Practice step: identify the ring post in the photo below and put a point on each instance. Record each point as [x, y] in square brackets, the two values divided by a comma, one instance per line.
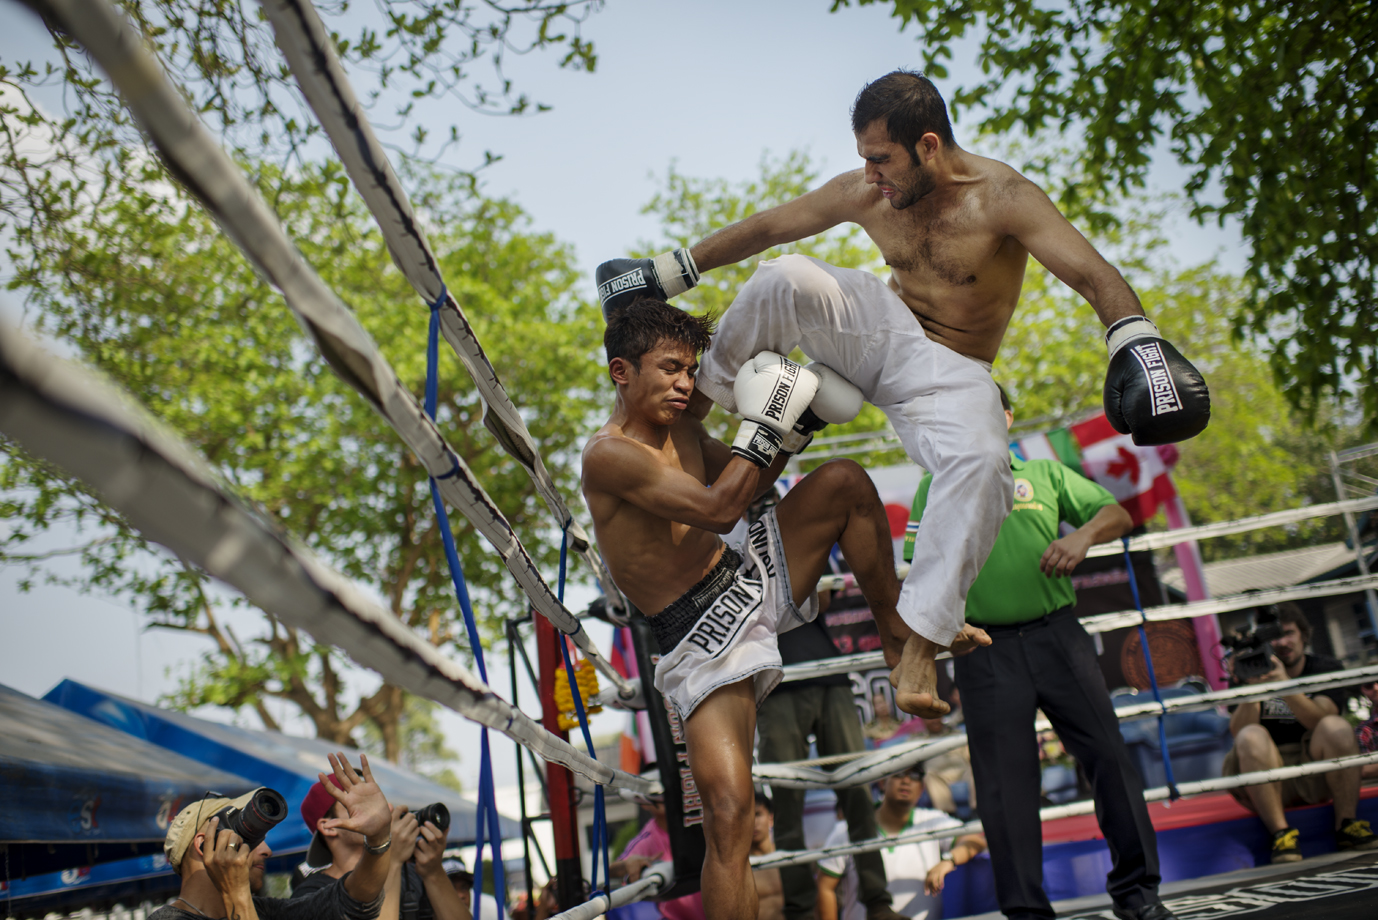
[683, 806]
[559, 786]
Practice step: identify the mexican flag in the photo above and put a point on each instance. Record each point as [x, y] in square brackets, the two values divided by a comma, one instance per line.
[1138, 477]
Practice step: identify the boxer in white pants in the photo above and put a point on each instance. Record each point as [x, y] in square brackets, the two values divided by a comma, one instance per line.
[957, 231]
[943, 405]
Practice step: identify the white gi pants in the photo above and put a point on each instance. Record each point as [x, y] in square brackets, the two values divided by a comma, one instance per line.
[944, 406]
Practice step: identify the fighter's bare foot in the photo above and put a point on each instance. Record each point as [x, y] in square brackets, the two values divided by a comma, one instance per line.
[969, 640]
[916, 679]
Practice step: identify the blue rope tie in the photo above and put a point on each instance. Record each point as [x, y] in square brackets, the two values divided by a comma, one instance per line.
[600, 820]
[487, 802]
[1173, 794]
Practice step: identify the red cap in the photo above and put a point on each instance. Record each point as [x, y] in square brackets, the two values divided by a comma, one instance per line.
[317, 803]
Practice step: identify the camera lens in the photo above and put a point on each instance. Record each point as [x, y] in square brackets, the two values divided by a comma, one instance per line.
[260, 815]
[437, 814]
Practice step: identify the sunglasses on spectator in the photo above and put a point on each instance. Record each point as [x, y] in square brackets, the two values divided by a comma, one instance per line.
[1369, 686]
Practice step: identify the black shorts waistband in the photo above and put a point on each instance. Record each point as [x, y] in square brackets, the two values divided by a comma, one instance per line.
[673, 623]
[1007, 628]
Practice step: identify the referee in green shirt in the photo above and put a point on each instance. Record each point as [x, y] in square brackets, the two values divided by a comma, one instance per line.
[1042, 658]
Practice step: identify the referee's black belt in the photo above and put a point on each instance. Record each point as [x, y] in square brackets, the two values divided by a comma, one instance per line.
[1008, 629]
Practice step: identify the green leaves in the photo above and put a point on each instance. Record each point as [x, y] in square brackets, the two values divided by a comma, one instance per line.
[1270, 108]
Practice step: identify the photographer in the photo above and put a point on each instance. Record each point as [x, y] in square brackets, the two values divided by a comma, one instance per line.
[417, 887]
[1296, 729]
[220, 873]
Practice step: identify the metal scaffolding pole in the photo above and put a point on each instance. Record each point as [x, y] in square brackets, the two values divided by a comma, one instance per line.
[1337, 474]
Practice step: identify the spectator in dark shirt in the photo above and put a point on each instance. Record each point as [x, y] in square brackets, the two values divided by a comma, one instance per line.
[219, 874]
[1294, 729]
[417, 887]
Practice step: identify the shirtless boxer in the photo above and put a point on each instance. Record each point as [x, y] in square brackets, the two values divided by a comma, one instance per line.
[957, 231]
[661, 490]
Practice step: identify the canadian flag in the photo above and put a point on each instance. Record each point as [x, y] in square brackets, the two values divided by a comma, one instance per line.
[1137, 476]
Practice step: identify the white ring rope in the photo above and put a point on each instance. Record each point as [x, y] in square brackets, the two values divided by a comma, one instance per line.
[82, 423]
[867, 767]
[304, 41]
[654, 879]
[1249, 693]
[797, 857]
[804, 774]
[208, 172]
[1228, 528]
[1105, 622]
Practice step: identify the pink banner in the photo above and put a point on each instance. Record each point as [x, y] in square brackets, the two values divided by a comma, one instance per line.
[1207, 628]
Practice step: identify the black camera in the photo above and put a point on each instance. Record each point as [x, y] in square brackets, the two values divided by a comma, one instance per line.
[1253, 648]
[259, 815]
[437, 814]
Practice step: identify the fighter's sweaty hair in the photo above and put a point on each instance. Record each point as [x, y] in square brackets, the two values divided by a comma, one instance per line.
[643, 324]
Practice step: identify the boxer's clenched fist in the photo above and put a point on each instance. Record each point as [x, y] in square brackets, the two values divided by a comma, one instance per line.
[772, 392]
[1151, 391]
[621, 281]
[836, 403]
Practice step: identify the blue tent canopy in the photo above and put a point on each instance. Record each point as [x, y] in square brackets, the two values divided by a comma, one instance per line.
[288, 764]
[74, 792]
[242, 758]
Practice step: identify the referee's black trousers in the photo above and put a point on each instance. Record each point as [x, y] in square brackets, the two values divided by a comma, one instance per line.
[1050, 664]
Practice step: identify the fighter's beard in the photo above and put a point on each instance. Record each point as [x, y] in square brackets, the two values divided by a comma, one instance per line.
[906, 195]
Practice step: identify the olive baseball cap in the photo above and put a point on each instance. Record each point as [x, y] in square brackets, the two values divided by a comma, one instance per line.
[184, 828]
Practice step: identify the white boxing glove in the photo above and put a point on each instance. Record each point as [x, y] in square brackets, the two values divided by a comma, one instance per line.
[837, 402]
[772, 392]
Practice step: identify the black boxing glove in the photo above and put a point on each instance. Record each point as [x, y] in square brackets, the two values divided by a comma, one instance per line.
[1151, 391]
[621, 281]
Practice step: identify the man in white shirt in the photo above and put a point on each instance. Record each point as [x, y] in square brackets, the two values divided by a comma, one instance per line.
[906, 864]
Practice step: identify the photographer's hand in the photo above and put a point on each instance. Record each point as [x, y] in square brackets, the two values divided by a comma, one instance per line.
[369, 814]
[404, 833]
[1278, 672]
[430, 852]
[228, 864]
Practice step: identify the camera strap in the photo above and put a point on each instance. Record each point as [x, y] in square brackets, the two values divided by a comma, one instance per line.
[1173, 794]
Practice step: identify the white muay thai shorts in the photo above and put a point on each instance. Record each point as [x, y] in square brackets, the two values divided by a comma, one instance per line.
[723, 629]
